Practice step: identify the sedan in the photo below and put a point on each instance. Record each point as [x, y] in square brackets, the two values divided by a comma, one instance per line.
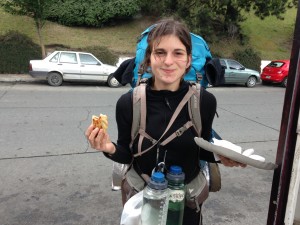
[62, 66]
[276, 72]
[236, 73]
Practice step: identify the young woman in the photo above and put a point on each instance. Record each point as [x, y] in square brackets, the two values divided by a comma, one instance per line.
[168, 58]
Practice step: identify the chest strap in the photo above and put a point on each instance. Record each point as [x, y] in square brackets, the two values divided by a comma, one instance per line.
[177, 133]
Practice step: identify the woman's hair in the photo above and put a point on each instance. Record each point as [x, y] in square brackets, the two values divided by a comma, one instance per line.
[161, 29]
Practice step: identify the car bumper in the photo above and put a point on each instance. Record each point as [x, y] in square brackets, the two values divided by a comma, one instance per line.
[271, 78]
[38, 74]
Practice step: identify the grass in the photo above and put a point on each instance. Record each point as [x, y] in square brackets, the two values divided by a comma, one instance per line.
[271, 37]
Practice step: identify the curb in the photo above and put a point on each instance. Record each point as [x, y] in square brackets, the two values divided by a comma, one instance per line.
[17, 78]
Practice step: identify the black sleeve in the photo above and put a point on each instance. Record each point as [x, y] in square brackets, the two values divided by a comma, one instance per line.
[208, 106]
[124, 120]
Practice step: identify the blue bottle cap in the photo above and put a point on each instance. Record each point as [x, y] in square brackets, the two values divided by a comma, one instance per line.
[175, 170]
[175, 174]
[158, 181]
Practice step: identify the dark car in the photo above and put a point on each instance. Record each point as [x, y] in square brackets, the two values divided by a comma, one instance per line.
[276, 72]
[236, 73]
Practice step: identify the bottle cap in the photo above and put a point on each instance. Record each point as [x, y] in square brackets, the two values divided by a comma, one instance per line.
[158, 181]
[175, 174]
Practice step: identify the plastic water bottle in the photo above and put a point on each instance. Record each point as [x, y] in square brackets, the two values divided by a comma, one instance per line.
[175, 178]
[155, 200]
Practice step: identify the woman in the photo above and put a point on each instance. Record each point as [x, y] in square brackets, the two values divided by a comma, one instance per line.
[168, 58]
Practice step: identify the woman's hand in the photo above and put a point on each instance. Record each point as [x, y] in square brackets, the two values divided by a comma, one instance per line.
[99, 140]
[230, 163]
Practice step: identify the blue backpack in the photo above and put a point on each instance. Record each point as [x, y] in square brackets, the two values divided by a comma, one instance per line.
[200, 55]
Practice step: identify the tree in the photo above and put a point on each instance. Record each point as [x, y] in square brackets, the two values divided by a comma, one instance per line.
[32, 8]
[212, 18]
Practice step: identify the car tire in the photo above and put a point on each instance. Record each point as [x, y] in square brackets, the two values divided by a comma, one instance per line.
[54, 79]
[251, 82]
[284, 82]
[112, 82]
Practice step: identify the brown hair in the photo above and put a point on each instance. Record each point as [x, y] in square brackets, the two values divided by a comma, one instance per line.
[163, 28]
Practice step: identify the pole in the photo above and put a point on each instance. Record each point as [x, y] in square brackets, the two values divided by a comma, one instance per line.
[287, 136]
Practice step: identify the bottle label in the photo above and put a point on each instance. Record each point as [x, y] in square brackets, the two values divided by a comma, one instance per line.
[176, 195]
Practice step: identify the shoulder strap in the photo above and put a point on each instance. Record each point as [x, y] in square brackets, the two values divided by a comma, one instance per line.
[194, 108]
[137, 94]
[140, 113]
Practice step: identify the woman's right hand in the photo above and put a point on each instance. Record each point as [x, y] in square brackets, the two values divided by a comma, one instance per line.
[99, 140]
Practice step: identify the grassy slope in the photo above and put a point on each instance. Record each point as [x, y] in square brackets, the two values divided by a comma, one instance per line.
[271, 37]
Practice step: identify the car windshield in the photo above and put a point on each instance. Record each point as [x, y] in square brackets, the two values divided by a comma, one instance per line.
[276, 64]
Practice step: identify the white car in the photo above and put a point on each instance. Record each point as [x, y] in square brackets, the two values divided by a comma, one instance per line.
[62, 66]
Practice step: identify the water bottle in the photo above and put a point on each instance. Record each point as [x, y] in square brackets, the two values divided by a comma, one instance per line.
[155, 201]
[176, 186]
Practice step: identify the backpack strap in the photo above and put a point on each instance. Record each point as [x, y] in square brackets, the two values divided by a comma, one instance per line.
[194, 107]
[140, 107]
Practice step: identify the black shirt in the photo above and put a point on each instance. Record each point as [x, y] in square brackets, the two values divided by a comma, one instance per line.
[181, 151]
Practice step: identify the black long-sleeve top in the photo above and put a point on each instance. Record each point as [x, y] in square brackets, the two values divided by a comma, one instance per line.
[182, 150]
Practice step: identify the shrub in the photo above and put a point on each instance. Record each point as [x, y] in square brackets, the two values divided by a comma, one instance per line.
[249, 58]
[91, 13]
[16, 50]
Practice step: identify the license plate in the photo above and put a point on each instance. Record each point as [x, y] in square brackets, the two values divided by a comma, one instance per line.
[268, 77]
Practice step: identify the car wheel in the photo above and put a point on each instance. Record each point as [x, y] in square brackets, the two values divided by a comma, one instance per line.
[112, 82]
[251, 82]
[54, 79]
[284, 82]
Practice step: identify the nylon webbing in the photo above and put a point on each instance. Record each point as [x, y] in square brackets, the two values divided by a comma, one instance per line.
[174, 116]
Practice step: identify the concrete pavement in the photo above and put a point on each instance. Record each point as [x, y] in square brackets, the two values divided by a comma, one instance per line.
[17, 78]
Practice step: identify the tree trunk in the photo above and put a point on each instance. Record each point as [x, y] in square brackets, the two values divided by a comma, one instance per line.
[39, 26]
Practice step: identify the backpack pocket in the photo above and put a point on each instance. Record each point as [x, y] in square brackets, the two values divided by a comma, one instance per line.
[197, 192]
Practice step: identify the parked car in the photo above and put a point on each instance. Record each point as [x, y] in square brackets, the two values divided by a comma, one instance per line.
[62, 66]
[276, 72]
[236, 73]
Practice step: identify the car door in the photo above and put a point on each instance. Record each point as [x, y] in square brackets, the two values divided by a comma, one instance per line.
[91, 68]
[227, 77]
[235, 72]
[69, 66]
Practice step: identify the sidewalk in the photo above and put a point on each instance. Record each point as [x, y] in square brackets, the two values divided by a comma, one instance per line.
[17, 78]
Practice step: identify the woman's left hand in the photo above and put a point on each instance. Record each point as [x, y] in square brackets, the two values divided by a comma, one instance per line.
[230, 163]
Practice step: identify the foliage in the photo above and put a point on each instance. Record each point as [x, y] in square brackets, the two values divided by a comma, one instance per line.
[16, 50]
[249, 58]
[92, 13]
[35, 9]
[213, 18]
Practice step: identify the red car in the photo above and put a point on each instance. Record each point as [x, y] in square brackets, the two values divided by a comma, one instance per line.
[276, 71]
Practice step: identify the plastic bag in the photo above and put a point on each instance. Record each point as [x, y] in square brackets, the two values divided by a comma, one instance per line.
[132, 210]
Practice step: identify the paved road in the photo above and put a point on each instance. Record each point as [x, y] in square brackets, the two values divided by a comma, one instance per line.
[49, 175]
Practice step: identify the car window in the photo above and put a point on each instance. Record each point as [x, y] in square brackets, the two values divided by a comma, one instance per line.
[223, 63]
[55, 58]
[234, 65]
[88, 59]
[68, 57]
[276, 64]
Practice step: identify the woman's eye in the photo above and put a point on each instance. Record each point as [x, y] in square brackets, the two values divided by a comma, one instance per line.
[160, 53]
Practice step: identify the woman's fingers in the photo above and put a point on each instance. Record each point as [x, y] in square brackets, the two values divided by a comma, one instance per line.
[230, 163]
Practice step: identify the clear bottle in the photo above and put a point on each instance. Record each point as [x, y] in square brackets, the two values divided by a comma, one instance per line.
[175, 178]
[155, 200]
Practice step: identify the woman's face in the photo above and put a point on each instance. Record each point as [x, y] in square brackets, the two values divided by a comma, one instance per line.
[168, 62]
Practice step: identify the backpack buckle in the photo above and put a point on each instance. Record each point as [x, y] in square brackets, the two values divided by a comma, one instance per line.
[179, 132]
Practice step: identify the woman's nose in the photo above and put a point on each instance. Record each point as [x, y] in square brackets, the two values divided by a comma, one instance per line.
[169, 59]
